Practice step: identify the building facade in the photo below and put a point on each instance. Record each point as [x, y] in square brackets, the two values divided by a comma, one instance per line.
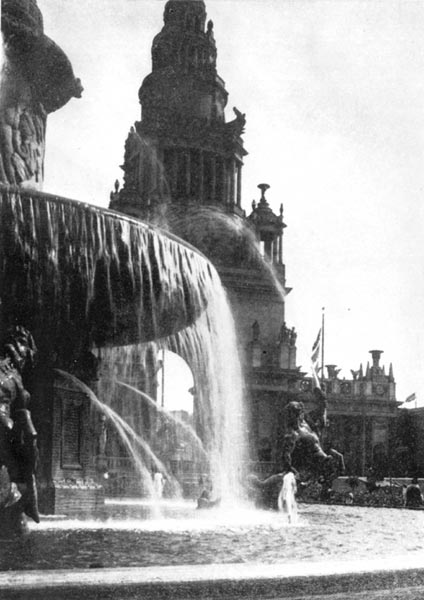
[362, 413]
[183, 171]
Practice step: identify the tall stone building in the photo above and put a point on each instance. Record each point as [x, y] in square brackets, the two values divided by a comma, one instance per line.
[183, 170]
[362, 412]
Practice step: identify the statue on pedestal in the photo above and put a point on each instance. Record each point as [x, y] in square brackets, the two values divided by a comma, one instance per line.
[302, 452]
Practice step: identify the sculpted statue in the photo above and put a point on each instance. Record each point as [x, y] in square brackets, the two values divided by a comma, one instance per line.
[18, 447]
[133, 155]
[302, 452]
[293, 337]
[237, 125]
[284, 333]
[209, 30]
[37, 79]
[302, 445]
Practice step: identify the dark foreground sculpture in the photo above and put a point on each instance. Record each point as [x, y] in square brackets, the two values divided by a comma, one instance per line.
[37, 79]
[18, 448]
[302, 453]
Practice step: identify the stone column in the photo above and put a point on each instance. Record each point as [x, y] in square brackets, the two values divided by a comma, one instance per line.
[187, 164]
[151, 178]
[201, 177]
[220, 180]
[224, 182]
[280, 249]
[275, 249]
[268, 248]
[232, 182]
[213, 177]
[174, 176]
[238, 184]
[160, 171]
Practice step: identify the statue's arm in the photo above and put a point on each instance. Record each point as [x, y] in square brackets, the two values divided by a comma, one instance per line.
[317, 418]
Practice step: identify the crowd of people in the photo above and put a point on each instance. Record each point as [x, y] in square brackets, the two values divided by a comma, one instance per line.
[389, 496]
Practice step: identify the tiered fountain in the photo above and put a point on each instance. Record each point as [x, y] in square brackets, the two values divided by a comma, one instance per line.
[94, 287]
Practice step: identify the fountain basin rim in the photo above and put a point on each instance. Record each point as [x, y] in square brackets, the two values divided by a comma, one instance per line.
[316, 579]
[114, 214]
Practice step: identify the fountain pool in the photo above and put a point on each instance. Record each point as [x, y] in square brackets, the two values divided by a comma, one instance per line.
[182, 535]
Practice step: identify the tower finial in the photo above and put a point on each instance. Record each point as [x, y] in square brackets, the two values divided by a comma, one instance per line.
[263, 187]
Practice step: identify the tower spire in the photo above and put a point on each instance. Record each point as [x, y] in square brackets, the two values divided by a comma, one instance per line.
[187, 153]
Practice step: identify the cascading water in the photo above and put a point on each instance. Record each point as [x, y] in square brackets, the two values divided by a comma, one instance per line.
[80, 277]
[135, 445]
[223, 238]
[2, 57]
[76, 274]
[209, 347]
[287, 497]
[168, 417]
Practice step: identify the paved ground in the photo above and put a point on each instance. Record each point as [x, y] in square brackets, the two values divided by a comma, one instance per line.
[371, 580]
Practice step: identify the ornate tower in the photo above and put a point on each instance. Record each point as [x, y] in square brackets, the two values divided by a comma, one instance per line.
[182, 150]
[182, 170]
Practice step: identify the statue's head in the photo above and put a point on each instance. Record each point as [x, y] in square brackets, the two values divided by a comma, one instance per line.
[46, 66]
[20, 348]
[295, 411]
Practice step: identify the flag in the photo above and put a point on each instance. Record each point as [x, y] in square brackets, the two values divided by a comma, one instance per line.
[316, 349]
[411, 398]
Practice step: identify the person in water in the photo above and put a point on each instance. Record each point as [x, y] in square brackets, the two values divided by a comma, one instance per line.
[206, 499]
[287, 497]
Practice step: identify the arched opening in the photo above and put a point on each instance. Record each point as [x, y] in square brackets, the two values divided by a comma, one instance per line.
[175, 383]
[176, 440]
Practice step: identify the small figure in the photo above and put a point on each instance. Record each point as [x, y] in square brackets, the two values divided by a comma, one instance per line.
[293, 337]
[158, 484]
[133, 159]
[404, 488]
[205, 499]
[413, 495]
[102, 439]
[287, 497]
[209, 31]
[349, 498]
[284, 333]
[265, 492]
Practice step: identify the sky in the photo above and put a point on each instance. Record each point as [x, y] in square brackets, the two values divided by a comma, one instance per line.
[333, 93]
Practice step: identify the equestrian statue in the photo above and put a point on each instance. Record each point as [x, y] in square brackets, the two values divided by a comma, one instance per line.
[302, 453]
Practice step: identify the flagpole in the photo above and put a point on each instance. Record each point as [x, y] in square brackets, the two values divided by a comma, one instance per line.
[322, 346]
